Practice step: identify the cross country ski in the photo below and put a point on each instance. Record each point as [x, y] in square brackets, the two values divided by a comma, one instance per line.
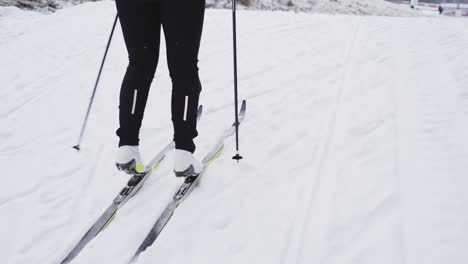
[132, 187]
[187, 186]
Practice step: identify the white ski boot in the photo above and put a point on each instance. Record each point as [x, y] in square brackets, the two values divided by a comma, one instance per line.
[185, 164]
[129, 160]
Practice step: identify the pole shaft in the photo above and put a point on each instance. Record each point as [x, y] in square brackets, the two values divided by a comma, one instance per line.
[83, 128]
[235, 72]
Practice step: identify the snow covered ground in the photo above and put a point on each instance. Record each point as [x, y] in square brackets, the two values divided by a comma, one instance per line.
[355, 142]
[360, 7]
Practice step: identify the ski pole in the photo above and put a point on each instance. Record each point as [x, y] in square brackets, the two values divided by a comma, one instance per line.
[234, 40]
[83, 127]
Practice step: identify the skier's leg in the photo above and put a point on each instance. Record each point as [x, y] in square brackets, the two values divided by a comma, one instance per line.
[182, 21]
[141, 25]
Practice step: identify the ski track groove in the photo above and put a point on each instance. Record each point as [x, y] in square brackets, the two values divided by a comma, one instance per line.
[364, 133]
[296, 229]
[329, 138]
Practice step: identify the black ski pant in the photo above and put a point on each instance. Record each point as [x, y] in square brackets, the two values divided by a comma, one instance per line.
[182, 23]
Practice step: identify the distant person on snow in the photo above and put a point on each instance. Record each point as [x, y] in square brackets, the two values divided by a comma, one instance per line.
[441, 9]
[182, 23]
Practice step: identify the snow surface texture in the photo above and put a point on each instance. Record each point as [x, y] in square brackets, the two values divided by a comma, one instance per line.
[44, 6]
[360, 7]
[355, 142]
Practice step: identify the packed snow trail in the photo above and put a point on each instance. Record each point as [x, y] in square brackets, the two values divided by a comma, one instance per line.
[355, 147]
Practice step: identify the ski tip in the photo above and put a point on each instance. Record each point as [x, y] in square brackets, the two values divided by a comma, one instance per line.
[199, 112]
[77, 147]
[242, 109]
